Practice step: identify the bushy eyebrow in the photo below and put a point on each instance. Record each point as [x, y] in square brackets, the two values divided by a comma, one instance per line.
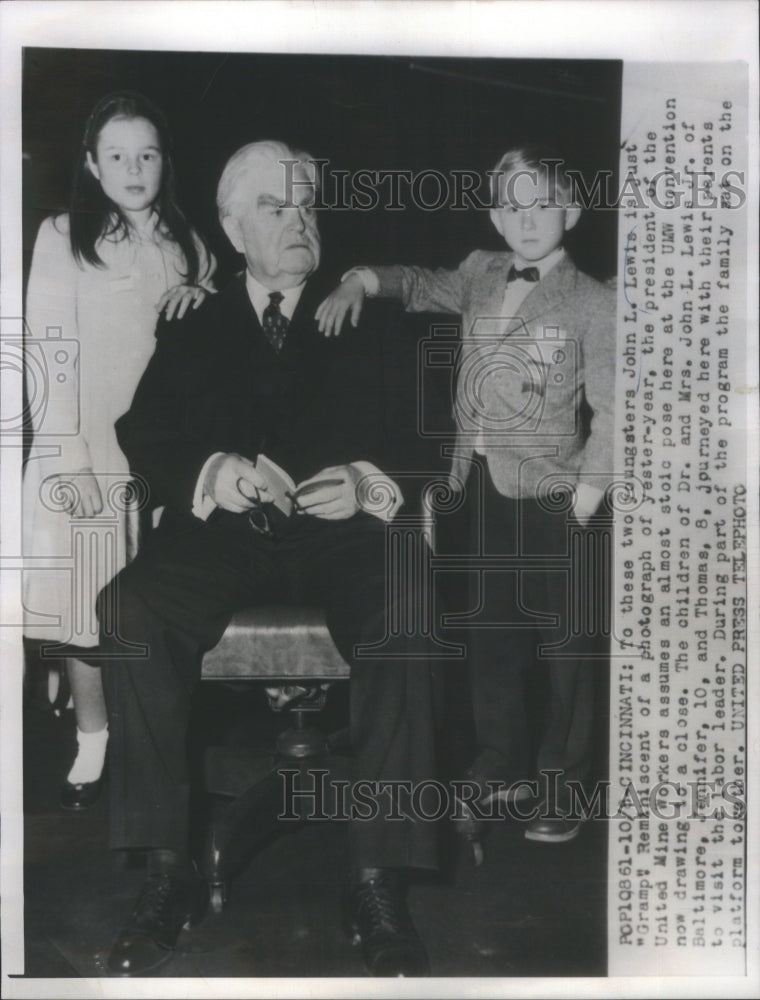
[270, 201]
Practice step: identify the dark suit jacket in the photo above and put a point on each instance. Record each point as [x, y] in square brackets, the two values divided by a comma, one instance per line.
[214, 384]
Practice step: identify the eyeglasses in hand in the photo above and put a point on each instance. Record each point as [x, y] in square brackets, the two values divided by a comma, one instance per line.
[258, 518]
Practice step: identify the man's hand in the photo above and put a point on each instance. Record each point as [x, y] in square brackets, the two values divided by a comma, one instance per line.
[88, 500]
[335, 500]
[587, 499]
[347, 297]
[179, 298]
[233, 483]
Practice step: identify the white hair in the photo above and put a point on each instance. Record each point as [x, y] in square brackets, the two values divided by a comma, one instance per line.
[245, 161]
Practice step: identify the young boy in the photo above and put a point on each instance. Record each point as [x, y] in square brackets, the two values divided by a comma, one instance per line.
[534, 407]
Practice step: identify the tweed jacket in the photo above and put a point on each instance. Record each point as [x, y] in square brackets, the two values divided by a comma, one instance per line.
[533, 392]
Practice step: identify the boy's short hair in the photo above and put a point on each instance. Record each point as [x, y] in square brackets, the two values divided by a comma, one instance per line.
[544, 160]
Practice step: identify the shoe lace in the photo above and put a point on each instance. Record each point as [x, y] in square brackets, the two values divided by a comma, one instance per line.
[152, 899]
[381, 900]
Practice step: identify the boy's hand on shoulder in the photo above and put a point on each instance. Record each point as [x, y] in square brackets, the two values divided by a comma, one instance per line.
[348, 297]
[180, 298]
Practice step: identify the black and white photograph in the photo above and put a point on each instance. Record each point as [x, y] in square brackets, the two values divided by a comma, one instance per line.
[379, 511]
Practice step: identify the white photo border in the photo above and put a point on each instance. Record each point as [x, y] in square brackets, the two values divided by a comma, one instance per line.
[679, 30]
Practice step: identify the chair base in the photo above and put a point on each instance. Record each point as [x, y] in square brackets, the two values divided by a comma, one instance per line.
[290, 650]
[298, 744]
[257, 795]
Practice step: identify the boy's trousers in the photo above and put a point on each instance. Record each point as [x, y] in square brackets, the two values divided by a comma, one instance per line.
[542, 593]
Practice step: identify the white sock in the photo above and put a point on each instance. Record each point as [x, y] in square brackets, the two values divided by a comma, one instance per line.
[91, 753]
[54, 682]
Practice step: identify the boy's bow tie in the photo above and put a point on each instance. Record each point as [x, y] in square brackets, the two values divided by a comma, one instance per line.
[527, 274]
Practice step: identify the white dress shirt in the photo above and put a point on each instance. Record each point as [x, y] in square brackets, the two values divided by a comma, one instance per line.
[259, 296]
[519, 289]
[515, 294]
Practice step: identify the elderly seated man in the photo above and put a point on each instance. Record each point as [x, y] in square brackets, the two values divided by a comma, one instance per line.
[245, 381]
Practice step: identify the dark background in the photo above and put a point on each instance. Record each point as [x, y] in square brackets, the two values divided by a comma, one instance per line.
[369, 112]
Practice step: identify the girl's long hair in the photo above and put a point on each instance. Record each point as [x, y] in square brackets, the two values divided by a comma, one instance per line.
[94, 216]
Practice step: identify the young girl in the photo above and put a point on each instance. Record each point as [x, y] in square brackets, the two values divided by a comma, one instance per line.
[99, 278]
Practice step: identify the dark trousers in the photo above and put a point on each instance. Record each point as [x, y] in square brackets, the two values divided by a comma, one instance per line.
[177, 598]
[547, 607]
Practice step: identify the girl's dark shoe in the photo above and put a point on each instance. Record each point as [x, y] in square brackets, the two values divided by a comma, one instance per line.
[81, 796]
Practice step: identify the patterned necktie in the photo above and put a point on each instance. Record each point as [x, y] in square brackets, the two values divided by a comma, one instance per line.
[274, 323]
[528, 274]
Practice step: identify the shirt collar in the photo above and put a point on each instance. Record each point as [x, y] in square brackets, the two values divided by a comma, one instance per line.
[150, 226]
[148, 232]
[548, 262]
[259, 296]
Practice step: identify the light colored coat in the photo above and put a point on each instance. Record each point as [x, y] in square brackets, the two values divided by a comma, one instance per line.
[91, 334]
[534, 392]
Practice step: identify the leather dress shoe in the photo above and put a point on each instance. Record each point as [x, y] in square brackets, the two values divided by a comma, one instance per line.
[80, 796]
[555, 829]
[167, 904]
[491, 798]
[375, 916]
[498, 787]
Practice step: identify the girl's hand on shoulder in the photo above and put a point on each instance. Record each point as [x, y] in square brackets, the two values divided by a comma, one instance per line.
[180, 298]
[348, 297]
